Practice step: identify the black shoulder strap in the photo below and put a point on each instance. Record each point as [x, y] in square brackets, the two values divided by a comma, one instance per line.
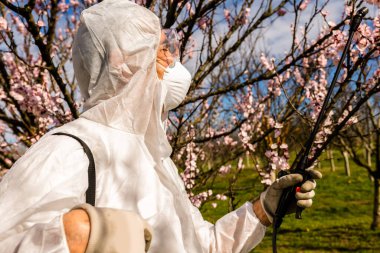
[90, 193]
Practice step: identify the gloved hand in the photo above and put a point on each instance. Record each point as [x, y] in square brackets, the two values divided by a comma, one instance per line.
[270, 197]
[115, 230]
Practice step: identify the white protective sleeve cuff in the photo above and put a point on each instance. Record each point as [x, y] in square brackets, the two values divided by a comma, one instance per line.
[238, 231]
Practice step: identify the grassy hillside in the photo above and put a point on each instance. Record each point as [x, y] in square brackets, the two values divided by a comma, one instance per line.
[338, 222]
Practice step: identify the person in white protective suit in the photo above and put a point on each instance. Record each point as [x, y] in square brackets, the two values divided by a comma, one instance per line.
[141, 203]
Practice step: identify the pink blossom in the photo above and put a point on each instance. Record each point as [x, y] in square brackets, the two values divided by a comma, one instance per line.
[198, 199]
[271, 121]
[277, 133]
[353, 120]
[283, 163]
[225, 169]
[63, 7]
[19, 25]
[266, 181]
[244, 19]
[271, 154]
[90, 2]
[277, 91]
[374, 2]
[267, 65]
[322, 60]
[2, 96]
[74, 3]
[190, 8]
[348, 9]
[362, 44]
[8, 161]
[3, 24]
[16, 96]
[226, 13]
[247, 11]
[304, 4]
[40, 23]
[227, 16]
[229, 141]
[281, 12]
[376, 24]
[274, 146]
[202, 23]
[278, 125]
[240, 164]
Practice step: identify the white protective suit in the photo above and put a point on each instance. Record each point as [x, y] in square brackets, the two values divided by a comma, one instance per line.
[115, 64]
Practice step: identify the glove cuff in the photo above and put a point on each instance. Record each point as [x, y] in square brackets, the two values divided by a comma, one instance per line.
[116, 230]
[262, 201]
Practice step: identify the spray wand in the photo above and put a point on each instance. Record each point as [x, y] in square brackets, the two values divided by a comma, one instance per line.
[288, 194]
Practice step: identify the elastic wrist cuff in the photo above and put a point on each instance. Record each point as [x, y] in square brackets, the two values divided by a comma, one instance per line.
[262, 197]
[260, 214]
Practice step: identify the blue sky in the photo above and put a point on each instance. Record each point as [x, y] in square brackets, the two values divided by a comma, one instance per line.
[278, 38]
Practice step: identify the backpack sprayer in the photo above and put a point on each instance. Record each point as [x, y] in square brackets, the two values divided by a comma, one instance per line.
[288, 194]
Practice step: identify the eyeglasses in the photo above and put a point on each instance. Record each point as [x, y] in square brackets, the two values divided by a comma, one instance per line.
[171, 42]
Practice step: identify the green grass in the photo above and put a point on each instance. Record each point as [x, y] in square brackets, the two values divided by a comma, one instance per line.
[339, 220]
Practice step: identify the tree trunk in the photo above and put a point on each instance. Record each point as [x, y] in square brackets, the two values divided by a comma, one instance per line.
[330, 156]
[347, 163]
[376, 206]
[368, 152]
[368, 157]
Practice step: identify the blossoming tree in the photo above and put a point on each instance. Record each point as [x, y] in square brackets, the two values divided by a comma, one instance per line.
[242, 101]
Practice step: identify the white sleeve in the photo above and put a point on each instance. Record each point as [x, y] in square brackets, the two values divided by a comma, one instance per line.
[41, 237]
[43, 184]
[237, 231]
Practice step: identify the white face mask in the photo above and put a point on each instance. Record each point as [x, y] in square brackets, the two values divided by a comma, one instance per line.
[177, 81]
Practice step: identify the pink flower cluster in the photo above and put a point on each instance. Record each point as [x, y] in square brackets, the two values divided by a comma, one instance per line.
[34, 98]
[203, 23]
[242, 19]
[304, 4]
[375, 2]
[253, 111]
[191, 170]
[227, 16]
[3, 24]
[198, 199]
[190, 9]
[278, 156]
[225, 169]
